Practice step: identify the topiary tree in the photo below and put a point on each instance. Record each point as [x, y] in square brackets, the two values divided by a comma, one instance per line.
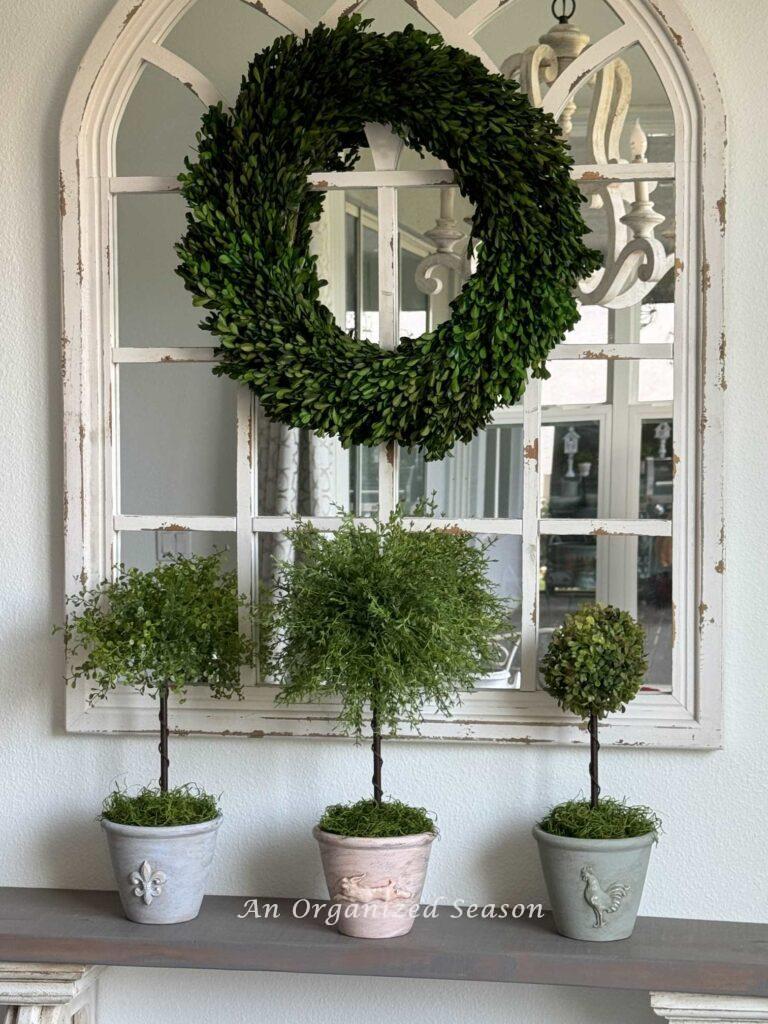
[595, 665]
[160, 632]
[384, 619]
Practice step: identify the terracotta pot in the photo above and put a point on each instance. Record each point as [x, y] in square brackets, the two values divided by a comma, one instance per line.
[161, 871]
[374, 884]
[594, 885]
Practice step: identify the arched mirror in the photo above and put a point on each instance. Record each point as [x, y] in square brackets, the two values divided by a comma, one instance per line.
[603, 483]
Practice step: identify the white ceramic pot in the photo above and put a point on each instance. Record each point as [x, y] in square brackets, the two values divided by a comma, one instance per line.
[594, 885]
[161, 872]
[375, 883]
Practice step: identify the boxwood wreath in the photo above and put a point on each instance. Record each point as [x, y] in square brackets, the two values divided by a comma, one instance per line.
[246, 256]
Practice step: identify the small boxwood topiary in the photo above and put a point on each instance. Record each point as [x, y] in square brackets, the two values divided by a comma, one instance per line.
[596, 661]
[159, 632]
[594, 665]
[384, 619]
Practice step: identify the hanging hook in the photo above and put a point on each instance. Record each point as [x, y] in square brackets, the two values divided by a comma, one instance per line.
[567, 10]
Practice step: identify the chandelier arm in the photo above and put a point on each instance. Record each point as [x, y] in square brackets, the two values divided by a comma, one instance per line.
[628, 279]
[534, 67]
[424, 277]
[599, 113]
[623, 98]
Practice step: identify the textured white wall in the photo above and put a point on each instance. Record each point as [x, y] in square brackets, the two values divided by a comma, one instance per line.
[711, 862]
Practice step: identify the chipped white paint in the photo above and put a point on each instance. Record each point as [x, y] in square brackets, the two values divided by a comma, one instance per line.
[48, 993]
[327, 181]
[214, 524]
[679, 1007]
[284, 14]
[611, 352]
[170, 355]
[194, 354]
[132, 35]
[146, 183]
[183, 72]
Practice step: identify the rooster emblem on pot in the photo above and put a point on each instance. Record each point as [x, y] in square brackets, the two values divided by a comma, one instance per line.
[602, 899]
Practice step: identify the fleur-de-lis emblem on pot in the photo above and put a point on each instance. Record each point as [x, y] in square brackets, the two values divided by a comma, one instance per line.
[148, 883]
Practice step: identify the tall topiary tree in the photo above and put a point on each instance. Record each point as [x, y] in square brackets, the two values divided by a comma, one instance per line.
[385, 620]
[595, 665]
[159, 632]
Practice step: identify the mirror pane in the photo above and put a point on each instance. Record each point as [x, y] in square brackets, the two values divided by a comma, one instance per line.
[392, 15]
[654, 605]
[655, 380]
[505, 571]
[593, 327]
[575, 382]
[300, 473]
[435, 225]
[177, 440]
[482, 479]
[144, 549]
[567, 578]
[657, 469]
[657, 322]
[220, 37]
[630, 572]
[569, 463]
[153, 307]
[516, 26]
[158, 126]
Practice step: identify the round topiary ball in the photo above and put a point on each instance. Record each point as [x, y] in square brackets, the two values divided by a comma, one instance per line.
[596, 662]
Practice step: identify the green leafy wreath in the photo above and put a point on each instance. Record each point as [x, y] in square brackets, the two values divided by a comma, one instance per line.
[246, 257]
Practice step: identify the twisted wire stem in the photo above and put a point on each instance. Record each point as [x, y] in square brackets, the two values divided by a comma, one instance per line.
[594, 749]
[163, 744]
[377, 758]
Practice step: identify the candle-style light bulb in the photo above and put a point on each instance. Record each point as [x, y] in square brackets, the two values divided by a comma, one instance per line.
[638, 147]
[638, 143]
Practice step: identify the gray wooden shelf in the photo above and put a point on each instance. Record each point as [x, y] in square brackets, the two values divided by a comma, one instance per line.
[64, 926]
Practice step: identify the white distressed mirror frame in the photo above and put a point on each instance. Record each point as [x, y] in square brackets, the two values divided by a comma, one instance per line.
[132, 35]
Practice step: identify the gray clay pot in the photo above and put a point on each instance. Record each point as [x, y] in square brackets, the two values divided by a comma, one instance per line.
[161, 872]
[594, 885]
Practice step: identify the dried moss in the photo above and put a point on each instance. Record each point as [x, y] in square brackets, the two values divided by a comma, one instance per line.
[367, 819]
[611, 819]
[184, 805]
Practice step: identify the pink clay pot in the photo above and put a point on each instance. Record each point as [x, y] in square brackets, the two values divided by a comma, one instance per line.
[375, 883]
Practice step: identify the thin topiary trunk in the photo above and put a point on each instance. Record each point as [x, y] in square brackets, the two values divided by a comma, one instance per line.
[377, 758]
[594, 749]
[163, 745]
